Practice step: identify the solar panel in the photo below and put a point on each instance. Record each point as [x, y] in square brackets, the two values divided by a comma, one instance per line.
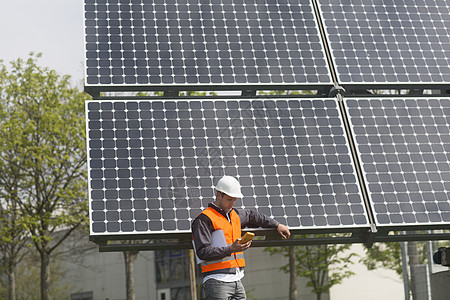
[404, 147]
[152, 164]
[397, 41]
[192, 42]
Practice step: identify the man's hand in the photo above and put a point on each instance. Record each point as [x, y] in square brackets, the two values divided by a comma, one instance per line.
[236, 247]
[283, 230]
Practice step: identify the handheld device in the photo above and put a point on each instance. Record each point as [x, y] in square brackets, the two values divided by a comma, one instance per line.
[247, 237]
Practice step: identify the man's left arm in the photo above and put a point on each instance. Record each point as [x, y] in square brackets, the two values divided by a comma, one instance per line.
[254, 219]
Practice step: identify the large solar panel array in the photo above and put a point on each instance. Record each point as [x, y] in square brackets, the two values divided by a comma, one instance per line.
[152, 164]
[397, 41]
[201, 43]
[404, 147]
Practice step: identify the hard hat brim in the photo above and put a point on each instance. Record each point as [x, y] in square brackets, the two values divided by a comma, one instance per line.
[234, 195]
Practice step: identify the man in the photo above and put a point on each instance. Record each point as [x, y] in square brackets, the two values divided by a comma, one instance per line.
[223, 265]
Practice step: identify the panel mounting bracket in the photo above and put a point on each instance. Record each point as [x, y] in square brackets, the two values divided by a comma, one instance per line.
[248, 93]
[366, 237]
[337, 89]
[370, 236]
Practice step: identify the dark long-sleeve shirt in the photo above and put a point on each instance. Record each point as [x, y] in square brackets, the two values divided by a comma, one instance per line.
[202, 228]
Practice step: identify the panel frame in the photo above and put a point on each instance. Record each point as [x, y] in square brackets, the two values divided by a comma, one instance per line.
[316, 229]
[358, 86]
[392, 226]
[366, 235]
[95, 89]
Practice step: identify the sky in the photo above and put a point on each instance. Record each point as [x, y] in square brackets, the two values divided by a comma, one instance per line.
[51, 27]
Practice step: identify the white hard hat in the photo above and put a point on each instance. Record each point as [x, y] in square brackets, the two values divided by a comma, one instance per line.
[230, 186]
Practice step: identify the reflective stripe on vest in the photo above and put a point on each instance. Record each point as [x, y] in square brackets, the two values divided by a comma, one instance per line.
[232, 231]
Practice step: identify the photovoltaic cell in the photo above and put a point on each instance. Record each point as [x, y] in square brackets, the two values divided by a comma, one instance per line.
[194, 42]
[379, 41]
[404, 147]
[152, 164]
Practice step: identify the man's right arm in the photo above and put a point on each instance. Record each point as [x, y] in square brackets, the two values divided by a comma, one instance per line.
[202, 229]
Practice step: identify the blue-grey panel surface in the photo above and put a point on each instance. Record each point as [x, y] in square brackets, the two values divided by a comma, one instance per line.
[404, 148]
[388, 41]
[159, 43]
[153, 164]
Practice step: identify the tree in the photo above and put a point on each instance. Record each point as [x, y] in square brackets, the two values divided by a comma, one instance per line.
[130, 258]
[51, 132]
[292, 274]
[384, 255]
[12, 242]
[12, 230]
[323, 265]
[28, 280]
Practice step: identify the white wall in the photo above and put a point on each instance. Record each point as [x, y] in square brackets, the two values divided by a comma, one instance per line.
[380, 284]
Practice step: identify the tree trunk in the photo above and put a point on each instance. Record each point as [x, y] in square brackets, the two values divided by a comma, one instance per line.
[12, 284]
[45, 276]
[192, 279]
[413, 259]
[292, 274]
[130, 257]
[318, 296]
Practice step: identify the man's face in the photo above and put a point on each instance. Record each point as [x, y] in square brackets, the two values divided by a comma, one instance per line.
[225, 202]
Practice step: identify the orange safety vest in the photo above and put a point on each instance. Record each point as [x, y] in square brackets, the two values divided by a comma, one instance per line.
[232, 231]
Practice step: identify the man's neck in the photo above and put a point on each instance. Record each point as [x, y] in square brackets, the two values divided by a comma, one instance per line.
[227, 214]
